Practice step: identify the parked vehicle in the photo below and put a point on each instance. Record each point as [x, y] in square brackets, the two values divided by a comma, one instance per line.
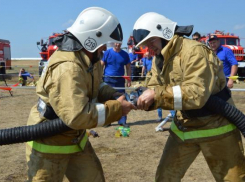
[232, 42]
[47, 49]
[5, 56]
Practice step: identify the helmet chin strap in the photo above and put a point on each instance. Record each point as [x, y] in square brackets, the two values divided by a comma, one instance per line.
[160, 57]
[164, 43]
[96, 57]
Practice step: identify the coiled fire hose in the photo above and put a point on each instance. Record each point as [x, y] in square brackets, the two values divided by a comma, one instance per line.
[56, 126]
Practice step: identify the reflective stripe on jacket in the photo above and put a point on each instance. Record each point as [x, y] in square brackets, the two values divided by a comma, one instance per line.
[68, 149]
[201, 133]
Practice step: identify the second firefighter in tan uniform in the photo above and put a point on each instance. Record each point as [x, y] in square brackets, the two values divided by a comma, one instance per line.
[185, 73]
[72, 86]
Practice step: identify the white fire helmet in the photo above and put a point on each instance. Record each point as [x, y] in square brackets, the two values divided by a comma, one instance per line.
[95, 27]
[153, 25]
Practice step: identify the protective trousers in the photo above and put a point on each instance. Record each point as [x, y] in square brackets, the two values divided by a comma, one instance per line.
[224, 157]
[77, 167]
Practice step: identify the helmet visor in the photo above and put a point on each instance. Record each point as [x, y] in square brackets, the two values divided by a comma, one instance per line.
[117, 33]
[139, 35]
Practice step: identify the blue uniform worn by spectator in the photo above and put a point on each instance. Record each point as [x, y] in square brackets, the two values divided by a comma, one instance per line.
[133, 59]
[226, 55]
[114, 60]
[23, 77]
[159, 113]
[147, 63]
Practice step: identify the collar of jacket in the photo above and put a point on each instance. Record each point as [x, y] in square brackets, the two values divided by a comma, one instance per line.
[84, 58]
[68, 42]
[78, 57]
[173, 46]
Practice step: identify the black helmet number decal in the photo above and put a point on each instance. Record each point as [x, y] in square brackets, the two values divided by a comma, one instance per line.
[167, 33]
[90, 44]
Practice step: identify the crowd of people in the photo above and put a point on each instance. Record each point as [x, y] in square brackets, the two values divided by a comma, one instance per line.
[181, 76]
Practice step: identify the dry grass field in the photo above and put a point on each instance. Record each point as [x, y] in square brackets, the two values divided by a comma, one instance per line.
[128, 159]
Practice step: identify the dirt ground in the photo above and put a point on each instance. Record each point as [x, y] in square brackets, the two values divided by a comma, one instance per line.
[128, 159]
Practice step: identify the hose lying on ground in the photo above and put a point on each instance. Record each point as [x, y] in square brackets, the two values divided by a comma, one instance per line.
[32, 132]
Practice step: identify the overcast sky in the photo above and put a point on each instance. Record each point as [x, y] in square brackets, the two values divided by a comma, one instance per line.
[25, 22]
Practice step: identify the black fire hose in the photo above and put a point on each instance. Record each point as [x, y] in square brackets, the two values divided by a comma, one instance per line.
[221, 107]
[56, 126]
[32, 132]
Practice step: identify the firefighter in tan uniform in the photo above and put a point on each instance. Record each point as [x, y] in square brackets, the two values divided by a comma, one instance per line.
[185, 73]
[72, 87]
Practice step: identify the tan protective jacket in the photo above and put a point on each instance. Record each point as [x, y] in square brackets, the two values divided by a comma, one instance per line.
[74, 93]
[191, 73]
